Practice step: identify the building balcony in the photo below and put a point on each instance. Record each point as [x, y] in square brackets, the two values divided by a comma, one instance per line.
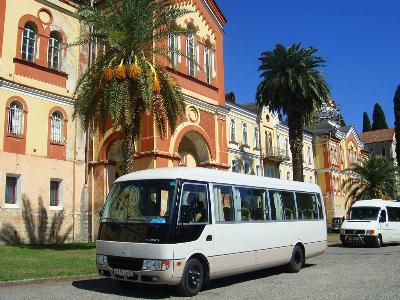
[276, 155]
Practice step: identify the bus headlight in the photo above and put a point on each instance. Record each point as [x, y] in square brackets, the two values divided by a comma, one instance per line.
[101, 259]
[155, 265]
[370, 232]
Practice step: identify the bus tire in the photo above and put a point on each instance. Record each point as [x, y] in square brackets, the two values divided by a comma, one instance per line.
[378, 241]
[296, 262]
[192, 278]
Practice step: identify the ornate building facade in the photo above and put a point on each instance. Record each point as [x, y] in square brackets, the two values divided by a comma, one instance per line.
[336, 148]
[42, 149]
[200, 137]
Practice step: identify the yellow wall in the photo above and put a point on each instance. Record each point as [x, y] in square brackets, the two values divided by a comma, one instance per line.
[68, 24]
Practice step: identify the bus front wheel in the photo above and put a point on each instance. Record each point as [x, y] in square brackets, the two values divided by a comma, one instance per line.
[192, 278]
[296, 262]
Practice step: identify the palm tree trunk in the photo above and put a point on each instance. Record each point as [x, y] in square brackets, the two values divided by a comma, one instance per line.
[128, 148]
[296, 145]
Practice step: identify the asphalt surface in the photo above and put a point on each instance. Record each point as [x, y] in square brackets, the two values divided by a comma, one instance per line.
[339, 273]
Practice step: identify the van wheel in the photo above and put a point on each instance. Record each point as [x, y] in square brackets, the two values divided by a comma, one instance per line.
[296, 262]
[378, 241]
[192, 278]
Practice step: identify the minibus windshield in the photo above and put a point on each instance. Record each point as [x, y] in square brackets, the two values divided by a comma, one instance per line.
[143, 201]
[364, 213]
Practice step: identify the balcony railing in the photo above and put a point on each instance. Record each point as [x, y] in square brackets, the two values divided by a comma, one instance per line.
[275, 154]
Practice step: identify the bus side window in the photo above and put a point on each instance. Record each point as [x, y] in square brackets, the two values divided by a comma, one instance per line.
[282, 205]
[320, 210]
[194, 203]
[307, 206]
[223, 199]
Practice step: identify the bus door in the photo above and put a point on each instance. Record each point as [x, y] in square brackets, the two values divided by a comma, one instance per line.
[383, 226]
[194, 218]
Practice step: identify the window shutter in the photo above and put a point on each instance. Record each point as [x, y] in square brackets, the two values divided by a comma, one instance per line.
[214, 73]
[179, 48]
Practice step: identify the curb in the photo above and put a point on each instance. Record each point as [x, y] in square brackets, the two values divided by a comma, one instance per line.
[46, 280]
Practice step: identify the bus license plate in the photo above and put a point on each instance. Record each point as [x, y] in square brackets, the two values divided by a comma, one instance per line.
[123, 273]
[353, 238]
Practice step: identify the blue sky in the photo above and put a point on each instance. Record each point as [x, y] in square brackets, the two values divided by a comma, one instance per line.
[360, 40]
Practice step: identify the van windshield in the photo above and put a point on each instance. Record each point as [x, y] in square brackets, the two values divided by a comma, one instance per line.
[364, 213]
[144, 201]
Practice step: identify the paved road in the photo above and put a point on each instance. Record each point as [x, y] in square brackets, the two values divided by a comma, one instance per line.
[340, 273]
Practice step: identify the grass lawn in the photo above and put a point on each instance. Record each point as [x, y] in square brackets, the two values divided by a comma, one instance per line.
[28, 262]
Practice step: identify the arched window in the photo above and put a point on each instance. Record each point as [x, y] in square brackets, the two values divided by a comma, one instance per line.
[56, 133]
[28, 50]
[244, 141]
[15, 123]
[172, 47]
[383, 151]
[233, 130]
[256, 138]
[190, 54]
[288, 175]
[287, 147]
[54, 51]
[207, 63]
[309, 155]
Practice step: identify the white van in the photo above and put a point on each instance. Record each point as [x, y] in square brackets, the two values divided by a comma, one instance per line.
[372, 223]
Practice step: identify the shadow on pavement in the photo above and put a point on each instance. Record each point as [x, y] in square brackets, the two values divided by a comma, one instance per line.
[108, 286]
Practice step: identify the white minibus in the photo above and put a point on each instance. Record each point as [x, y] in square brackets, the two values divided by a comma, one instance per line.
[186, 226]
[372, 223]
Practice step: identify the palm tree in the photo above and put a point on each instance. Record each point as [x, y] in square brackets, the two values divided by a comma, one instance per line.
[292, 84]
[373, 178]
[128, 77]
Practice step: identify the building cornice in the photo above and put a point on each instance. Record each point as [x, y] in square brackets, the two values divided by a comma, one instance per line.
[204, 105]
[241, 111]
[35, 93]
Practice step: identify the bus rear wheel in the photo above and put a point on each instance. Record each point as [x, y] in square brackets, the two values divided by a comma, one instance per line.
[192, 278]
[297, 260]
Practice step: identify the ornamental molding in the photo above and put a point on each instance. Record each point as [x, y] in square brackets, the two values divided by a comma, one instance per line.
[204, 105]
[35, 93]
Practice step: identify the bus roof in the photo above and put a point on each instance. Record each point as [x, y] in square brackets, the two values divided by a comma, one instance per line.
[376, 203]
[214, 176]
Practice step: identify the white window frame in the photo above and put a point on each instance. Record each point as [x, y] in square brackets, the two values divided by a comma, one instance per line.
[190, 54]
[208, 64]
[54, 51]
[244, 134]
[172, 48]
[28, 43]
[57, 127]
[59, 193]
[256, 138]
[15, 123]
[17, 191]
[233, 130]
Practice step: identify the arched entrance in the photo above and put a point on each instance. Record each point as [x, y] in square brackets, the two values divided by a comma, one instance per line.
[193, 149]
[115, 162]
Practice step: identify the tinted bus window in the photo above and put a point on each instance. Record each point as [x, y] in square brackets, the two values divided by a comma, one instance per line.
[282, 205]
[223, 198]
[194, 203]
[393, 214]
[307, 206]
[320, 210]
[249, 204]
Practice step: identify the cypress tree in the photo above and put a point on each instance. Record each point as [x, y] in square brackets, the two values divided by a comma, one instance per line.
[342, 121]
[366, 122]
[378, 118]
[396, 101]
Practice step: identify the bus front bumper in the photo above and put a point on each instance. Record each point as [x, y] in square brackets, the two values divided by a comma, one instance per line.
[168, 277]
